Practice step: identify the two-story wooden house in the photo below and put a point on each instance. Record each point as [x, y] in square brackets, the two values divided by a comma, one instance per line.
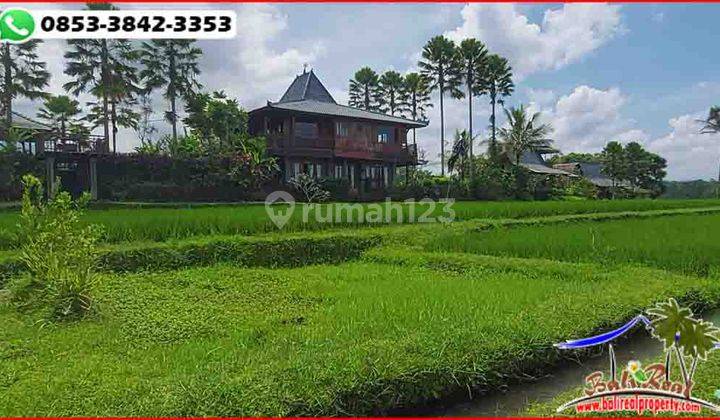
[311, 133]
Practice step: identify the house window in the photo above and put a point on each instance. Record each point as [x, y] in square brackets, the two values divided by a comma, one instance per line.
[295, 169]
[385, 135]
[307, 130]
[342, 129]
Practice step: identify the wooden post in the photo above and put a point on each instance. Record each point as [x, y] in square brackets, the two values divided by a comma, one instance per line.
[50, 176]
[93, 179]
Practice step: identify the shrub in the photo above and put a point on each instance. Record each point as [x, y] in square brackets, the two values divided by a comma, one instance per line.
[310, 189]
[59, 256]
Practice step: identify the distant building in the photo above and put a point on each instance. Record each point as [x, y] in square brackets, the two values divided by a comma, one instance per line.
[593, 172]
[533, 161]
[310, 133]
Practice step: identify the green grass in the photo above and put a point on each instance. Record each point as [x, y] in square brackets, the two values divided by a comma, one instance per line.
[159, 224]
[685, 243]
[393, 330]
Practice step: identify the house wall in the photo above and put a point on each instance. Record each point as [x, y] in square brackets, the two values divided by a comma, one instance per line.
[348, 149]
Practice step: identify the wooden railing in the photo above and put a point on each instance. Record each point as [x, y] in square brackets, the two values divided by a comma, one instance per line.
[73, 144]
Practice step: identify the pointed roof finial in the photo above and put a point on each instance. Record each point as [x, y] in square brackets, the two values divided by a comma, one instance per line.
[305, 66]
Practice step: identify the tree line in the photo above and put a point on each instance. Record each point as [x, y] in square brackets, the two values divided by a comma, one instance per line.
[119, 74]
[464, 70]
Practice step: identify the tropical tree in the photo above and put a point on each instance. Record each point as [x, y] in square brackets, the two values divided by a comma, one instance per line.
[711, 125]
[391, 92]
[104, 68]
[171, 64]
[417, 91]
[460, 156]
[23, 74]
[498, 84]
[364, 89]
[473, 54]
[523, 133]
[613, 159]
[122, 99]
[60, 111]
[442, 66]
[145, 128]
[712, 122]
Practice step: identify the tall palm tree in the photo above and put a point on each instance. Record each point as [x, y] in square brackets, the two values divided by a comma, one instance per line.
[391, 91]
[711, 126]
[364, 89]
[460, 153]
[498, 84]
[417, 90]
[23, 74]
[97, 65]
[59, 111]
[171, 64]
[442, 66]
[473, 54]
[523, 133]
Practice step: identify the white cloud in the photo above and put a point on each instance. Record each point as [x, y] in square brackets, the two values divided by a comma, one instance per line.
[690, 154]
[587, 118]
[249, 66]
[565, 35]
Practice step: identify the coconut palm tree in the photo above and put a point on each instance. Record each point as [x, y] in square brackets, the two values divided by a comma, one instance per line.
[473, 54]
[417, 90]
[364, 89]
[442, 66]
[391, 92]
[498, 84]
[59, 111]
[22, 74]
[98, 66]
[523, 133]
[171, 64]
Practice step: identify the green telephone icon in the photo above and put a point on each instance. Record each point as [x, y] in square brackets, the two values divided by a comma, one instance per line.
[16, 25]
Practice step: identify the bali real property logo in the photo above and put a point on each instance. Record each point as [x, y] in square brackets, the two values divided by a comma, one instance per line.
[639, 389]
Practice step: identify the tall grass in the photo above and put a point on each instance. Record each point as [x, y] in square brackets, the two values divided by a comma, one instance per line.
[159, 224]
[357, 338]
[687, 243]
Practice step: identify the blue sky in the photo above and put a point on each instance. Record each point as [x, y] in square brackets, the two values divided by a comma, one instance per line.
[596, 72]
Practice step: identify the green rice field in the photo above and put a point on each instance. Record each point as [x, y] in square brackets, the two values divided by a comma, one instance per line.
[160, 223]
[686, 243]
[204, 312]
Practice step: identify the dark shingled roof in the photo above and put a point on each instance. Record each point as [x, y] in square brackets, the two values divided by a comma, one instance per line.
[533, 161]
[307, 87]
[593, 172]
[307, 94]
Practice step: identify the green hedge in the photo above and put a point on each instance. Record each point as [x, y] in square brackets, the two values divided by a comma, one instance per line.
[272, 251]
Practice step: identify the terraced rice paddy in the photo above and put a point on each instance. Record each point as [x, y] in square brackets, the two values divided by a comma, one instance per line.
[403, 316]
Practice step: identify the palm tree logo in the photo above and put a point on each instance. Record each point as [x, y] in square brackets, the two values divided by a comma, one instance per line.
[683, 335]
